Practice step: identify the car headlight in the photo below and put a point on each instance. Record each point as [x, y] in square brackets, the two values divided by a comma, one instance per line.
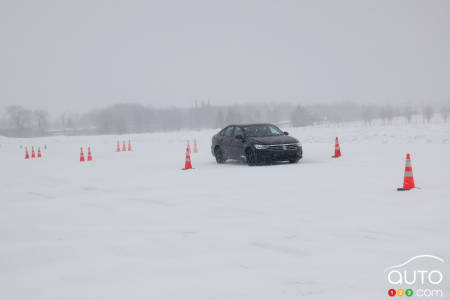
[298, 144]
[260, 147]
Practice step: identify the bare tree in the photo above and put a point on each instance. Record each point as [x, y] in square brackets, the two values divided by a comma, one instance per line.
[408, 112]
[233, 116]
[445, 110]
[427, 113]
[368, 114]
[18, 117]
[42, 119]
[387, 114]
[220, 120]
[3, 123]
[301, 117]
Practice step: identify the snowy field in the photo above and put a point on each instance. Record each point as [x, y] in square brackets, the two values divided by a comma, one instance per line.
[134, 226]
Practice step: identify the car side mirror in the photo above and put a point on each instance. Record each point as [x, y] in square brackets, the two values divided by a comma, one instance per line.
[286, 133]
[239, 137]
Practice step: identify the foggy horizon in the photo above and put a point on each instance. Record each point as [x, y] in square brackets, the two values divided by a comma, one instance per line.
[93, 54]
[57, 112]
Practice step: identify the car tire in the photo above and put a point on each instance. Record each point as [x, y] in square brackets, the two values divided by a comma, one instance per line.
[220, 157]
[250, 157]
[294, 161]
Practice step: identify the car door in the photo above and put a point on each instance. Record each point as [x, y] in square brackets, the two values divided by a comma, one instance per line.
[218, 138]
[237, 145]
[227, 140]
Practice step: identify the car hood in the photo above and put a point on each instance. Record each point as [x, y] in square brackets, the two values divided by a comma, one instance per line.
[274, 140]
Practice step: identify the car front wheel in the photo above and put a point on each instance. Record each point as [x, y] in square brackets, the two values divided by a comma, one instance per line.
[295, 160]
[220, 158]
[250, 157]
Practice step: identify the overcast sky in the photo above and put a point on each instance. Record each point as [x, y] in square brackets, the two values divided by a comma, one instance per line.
[77, 55]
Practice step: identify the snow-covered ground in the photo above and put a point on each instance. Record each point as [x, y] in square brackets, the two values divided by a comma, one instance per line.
[134, 226]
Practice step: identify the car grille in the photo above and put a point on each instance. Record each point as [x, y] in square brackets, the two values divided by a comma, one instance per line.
[283, 147]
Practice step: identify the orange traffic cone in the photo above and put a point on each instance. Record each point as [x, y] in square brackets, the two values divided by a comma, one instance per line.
[337, 149]
[129, 145]
[118, 147]
[27, 156]
[89, 158]
[188, 146]
[408, 181]
[33, 155]
[39, 152]
[195, 146]
[123, 147]
[187, 164]
[81, 155]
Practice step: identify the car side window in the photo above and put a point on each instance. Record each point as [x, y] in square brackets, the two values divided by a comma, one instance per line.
[229, 131]
[222, 132]
[238, 131]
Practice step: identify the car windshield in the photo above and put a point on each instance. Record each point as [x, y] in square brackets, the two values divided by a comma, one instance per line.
[262, 130]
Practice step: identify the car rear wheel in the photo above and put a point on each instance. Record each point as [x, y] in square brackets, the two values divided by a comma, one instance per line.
[250, 157]
[220, 158]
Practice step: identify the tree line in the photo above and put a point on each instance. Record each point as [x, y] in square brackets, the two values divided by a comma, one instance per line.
[18, 121]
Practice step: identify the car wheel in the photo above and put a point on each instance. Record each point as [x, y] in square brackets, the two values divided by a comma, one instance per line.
[295, 160]
[220, 158]
[250, 157]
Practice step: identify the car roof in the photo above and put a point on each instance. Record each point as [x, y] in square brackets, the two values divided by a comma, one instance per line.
[251, 124]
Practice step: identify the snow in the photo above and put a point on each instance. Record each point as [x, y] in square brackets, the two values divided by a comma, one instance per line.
[133, 225]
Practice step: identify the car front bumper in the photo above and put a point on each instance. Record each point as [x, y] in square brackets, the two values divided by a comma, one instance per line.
[279, 155]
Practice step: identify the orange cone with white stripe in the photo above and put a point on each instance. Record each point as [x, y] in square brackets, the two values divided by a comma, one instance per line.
[89, 156]
[27, 156]
[123, 147]
[408, 180]
[81, 155]
[188, 147]
[129, 145]
[337, 149]
[118, 147]
[195, 146]
[39, 152]
[33, 155]
[187, 164]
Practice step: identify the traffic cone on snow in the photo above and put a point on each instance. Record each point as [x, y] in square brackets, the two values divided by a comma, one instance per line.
[27, 156]
[118, 147]
[188, 147]
[195, 146]
[123, 147]
[187, 163]
[39, 152]
[337, 149]
[89, 158]
[129, 145]
[33, 155]
[81, 155]
[408, 181]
